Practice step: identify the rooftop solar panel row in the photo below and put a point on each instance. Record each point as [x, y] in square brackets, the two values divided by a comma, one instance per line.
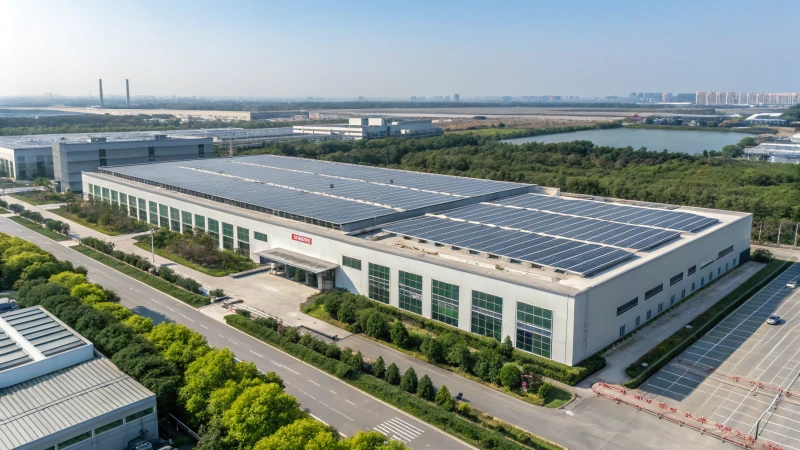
[542, 250]
[634, 215]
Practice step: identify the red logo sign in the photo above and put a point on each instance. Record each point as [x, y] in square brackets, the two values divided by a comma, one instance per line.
[303, 239]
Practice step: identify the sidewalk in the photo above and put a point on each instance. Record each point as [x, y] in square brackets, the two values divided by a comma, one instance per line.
[628, 351]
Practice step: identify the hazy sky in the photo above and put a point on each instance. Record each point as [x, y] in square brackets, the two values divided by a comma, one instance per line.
[382, 48]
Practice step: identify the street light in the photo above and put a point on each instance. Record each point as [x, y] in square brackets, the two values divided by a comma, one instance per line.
[152, 244]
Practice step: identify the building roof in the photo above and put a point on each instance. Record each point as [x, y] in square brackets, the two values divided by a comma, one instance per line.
[341, 194]
[59, 400]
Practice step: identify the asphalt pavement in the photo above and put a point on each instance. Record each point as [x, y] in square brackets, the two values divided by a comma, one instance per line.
[325, 397]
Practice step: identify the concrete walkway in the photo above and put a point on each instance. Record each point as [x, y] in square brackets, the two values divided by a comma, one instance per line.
[628, 351]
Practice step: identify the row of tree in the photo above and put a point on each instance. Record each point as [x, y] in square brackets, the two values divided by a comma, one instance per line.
[235, 405]
[114, 217]
[57, 226]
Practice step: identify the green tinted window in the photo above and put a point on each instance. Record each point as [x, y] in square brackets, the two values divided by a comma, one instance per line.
[163, 211]
[75, 440]
[142, 413]
[534, 315]
[174, 214]
[114, 196]
[351, 262]
[199, 221]
[110, 426]
[379, 283]
[187, 217]
[410, 291]
[153, 208]
[227, 229]
[123, 198]
[260, 236]
[487, 314]
[444, 302]
[213, 226]
[242, 234]
[143, 205]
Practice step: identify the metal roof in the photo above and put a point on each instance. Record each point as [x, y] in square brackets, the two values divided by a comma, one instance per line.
[59, 400]
[295, 259]
[40, 331]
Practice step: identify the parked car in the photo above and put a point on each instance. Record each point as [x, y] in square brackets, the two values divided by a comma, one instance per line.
[792, 284]
[773, 320]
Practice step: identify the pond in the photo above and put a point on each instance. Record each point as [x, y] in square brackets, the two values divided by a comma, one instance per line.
[686, 141]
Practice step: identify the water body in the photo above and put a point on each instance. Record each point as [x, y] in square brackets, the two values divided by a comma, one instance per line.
[685, 141]
[18, 113]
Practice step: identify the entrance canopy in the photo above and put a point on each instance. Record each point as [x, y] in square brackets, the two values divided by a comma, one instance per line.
[293, 259]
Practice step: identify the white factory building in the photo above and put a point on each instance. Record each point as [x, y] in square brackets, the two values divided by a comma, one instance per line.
[372, 128]
[57, 393]
[562, 276]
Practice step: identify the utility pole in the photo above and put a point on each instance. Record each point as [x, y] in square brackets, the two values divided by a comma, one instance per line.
[795, 234]
[760, 226]
[153, 245]
[779, 233]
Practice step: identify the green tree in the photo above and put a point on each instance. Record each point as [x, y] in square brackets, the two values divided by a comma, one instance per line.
[379, 368]
[347, 312]
[372, 440]
[260, 411]
[393, 374]
[399, 334]
[68, 279]
[460, 356]
[89, 293]
[444, 399]
[488, 363]
[544, 390]
[356, 361]
[14, 265]
[302, 434]
[139, 324]
[510, 376]
[432, 349]
[119, 312]
[425, 388]
[222, 398]
[377, 325]
[506, 348]
[178, 343]
[409, 381]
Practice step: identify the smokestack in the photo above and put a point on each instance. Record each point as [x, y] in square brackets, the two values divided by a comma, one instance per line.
[128, 92]
[101, 92]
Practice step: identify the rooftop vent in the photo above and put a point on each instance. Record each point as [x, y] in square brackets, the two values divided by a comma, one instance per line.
[160, 137]
[391, 181]
[97, 139]
[331, 185]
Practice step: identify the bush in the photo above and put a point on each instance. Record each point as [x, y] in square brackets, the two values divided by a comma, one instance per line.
[762, 255]
[409, 381]
[216, 293]
[379, 368]
[544, 390]
[432, 349]
[510, 376]
[16, 208]
[464, 409]
[444, 399]
[200, 249]
[399, 334]
[115, 218]
[393, 374]
[425, 388]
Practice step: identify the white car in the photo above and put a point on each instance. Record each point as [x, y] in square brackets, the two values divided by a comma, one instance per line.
[773, 320]
[792, 284]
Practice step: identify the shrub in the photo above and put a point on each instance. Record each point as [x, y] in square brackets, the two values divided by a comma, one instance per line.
[544, 390]
[347, 312]
[464, 409]
[444, 399]
[16, 208]
[268, 322]
[409, 381]
[393, 374]
[356, 361]
[379, 368]
[510, 376]
[377, 326]
[399, 334]
[425, 388]
[216, 293]
[243, 312]
[762, 255]
[432, 349]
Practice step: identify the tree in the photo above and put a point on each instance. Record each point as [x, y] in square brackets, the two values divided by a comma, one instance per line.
[409, 381]
[89, 293]
[260, 411]
[41, 181]
[14, 265]
[332, 304]
[178, 343]
[377, 325]
[372, 440]
[506, 348]
[393, 374]
[432, 349]
[302, 434]
[488, 363]
[762, 255]
[399, 334]
[379, 368]
[216, 293]
[356, 361]
[139, 324]
[460, 356]
[117, 311]
[347, 312]
[510, 376]
[425, 388]
[16, 208]
[68, 279]
[444, 399]
[222, 398]
[544, 390]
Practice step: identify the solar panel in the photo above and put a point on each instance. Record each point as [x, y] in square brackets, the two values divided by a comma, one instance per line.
[559, 225]
[634, 215]
[565, 254]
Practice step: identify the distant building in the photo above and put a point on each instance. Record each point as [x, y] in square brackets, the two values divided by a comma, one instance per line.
[746, 98]
[56, 391]
[766, 119]
[456, 97]
[635, 118]
[371, 128]
[776, 152]
[666, 96]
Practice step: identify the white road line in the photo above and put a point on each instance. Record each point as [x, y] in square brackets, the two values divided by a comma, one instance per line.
[334, 393]
[304, 392]
[348, 418]
[314, 382]
[319, 420]
[218, 334]
[255, 353]
[203, 326]
[186, 317]
[169, 308]
[348, 401]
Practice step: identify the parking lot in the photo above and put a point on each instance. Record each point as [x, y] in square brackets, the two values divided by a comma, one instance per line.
[718, 376]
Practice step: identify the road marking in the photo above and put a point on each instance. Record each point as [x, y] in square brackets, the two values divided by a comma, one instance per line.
[169, 308]
[231, 340]
[304, 392]
[334, 393]
[348, 401]
[314, 382]
[570, 413]
[218, 334]
[256, 354]
[324, 404]
[186, 317]
[342, 414]
[318, 419]
[204, 326]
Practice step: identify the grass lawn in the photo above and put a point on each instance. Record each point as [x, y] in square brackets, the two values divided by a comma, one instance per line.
[145, 244]
[33, 226]
[76, 219]
[557, 398]
[146, 278]
[39, 197]
[4, 211]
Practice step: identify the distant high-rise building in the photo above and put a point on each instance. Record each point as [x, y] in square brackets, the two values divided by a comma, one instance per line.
[128, 93]
[666, 96]
[101, 92]
[456, 97]
[413, 98]
[746, 98]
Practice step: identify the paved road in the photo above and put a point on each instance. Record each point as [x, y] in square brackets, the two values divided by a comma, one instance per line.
[325, 397]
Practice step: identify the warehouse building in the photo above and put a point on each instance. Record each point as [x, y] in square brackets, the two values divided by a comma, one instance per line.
[562, 276]
[372, 128]
[57, 393]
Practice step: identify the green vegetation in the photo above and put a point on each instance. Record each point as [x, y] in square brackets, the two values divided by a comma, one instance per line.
[44, 197]
[233, 404]
[662, 353]
[102, 216]
[792, 114]
[501, 132]
[769, 191]
[469, 425]
[478, 357]
[153, 281]
[199, 251]
[711, 126]
[39, 229]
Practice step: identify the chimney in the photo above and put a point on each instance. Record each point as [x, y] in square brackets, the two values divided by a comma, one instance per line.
[101, 92]
[128, 92]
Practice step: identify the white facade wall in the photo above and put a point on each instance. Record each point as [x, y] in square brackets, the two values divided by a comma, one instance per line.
[582, 324]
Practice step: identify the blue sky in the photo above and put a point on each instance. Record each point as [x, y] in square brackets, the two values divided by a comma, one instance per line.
[380, 48]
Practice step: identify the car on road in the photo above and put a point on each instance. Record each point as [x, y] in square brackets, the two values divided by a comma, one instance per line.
[773, 320]
[792, 284]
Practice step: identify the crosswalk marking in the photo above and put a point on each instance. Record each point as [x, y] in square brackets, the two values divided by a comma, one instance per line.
[399, 430]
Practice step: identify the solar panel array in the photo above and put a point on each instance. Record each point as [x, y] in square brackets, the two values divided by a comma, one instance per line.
[634, 215]
[41, 330]
[584, 229]
[303, 187]
[566, 254]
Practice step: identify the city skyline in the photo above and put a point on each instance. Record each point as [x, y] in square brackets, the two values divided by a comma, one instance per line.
[278, 50]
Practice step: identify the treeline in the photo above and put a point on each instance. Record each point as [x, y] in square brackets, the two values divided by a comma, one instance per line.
[792, 114]
[769, 191]
[235, 406]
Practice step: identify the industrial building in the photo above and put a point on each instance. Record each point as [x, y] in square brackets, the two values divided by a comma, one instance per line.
[775, 152]
[562, 276]
[57, 393]
[766, 119]
[184, 114]
[371, 128]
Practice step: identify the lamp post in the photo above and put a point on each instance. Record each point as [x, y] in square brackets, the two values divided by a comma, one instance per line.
[153, 245]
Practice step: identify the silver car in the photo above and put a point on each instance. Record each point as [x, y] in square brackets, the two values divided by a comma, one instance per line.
[773, 320]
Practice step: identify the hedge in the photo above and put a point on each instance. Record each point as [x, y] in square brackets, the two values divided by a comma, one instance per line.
[448, 421]
[658, 356]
